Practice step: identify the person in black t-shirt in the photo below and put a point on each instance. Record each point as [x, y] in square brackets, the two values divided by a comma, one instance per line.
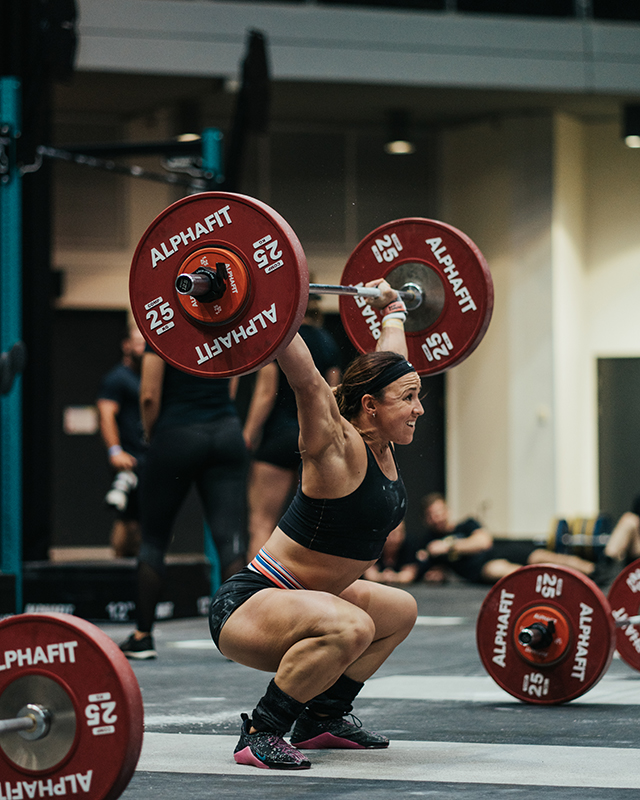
[118, 405]
[195, 437]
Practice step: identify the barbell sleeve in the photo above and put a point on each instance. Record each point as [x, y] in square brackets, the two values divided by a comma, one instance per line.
[193, 283]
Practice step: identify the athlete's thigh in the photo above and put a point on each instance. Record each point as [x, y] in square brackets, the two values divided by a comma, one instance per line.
[391, 609]
[260, 631]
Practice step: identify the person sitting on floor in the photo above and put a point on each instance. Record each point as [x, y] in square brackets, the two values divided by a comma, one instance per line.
[468, 549]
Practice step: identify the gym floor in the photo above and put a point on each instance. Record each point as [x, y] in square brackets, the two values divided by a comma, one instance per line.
[452, 728]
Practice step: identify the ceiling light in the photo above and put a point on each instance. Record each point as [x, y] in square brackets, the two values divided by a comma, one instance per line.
[631, 126]
[398, 141]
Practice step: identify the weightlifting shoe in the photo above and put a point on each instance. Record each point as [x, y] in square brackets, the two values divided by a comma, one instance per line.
[310, 733]
[139, 648]
[266, 750]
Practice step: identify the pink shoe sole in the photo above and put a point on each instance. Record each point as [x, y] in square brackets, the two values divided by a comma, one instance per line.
[247, 758]
[327, 740]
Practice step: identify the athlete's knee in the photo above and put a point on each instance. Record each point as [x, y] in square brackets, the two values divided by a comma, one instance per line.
[405, 610]
[350, 631]
[539, 556]
[499, 568]
[362, 631]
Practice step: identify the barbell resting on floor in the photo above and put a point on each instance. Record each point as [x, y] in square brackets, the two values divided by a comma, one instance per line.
[546, 634]
[71, 715]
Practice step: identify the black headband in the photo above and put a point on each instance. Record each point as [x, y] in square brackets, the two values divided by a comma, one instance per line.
[388, 375]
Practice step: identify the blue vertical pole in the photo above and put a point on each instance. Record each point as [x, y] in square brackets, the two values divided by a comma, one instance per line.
[212, 154]
[10, 333]
[212, 167]
[211, 553]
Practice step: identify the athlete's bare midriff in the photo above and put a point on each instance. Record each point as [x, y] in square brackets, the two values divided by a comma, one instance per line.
[317, 571]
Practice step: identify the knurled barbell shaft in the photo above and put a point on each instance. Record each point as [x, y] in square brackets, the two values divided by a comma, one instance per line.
[16, 724]
[410, 293]
[622, 623]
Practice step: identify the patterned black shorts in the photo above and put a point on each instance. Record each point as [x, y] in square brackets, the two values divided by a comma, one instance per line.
[231, 595]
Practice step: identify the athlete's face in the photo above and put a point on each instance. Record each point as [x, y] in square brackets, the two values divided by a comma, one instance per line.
[400, 408]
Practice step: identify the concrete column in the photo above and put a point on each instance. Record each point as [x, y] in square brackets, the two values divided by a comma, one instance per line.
[497, 187]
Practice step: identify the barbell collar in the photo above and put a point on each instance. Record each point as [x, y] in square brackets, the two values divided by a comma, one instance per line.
[33, 722]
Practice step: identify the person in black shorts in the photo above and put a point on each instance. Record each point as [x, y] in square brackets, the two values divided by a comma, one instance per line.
[271, 430]
[299, 609]
[118, 404]
[468, 550]
[195, 438]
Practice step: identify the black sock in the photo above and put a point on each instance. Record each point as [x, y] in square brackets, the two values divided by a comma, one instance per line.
[276, 711]
[337, 700]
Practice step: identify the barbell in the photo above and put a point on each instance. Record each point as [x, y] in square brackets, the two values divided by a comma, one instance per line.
[219, 285]
[205, 283]
[71, 714]
[547, 634]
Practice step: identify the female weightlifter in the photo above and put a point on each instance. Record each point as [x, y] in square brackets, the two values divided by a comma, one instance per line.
[328, 631]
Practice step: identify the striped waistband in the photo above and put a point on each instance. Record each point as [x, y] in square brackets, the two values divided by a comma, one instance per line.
[267, 565]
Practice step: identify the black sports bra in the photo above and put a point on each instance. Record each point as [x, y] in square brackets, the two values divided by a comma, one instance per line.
[355, 526]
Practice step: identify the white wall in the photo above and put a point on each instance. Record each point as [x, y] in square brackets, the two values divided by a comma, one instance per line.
[596, 234]
[574, 389]
[500, 459]
[553, 204]
[476, 198]
[612, 243]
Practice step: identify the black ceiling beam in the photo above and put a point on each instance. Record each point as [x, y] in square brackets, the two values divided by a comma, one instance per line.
[124, 149]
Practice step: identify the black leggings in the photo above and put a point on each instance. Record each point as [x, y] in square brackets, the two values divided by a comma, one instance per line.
[212, 456]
